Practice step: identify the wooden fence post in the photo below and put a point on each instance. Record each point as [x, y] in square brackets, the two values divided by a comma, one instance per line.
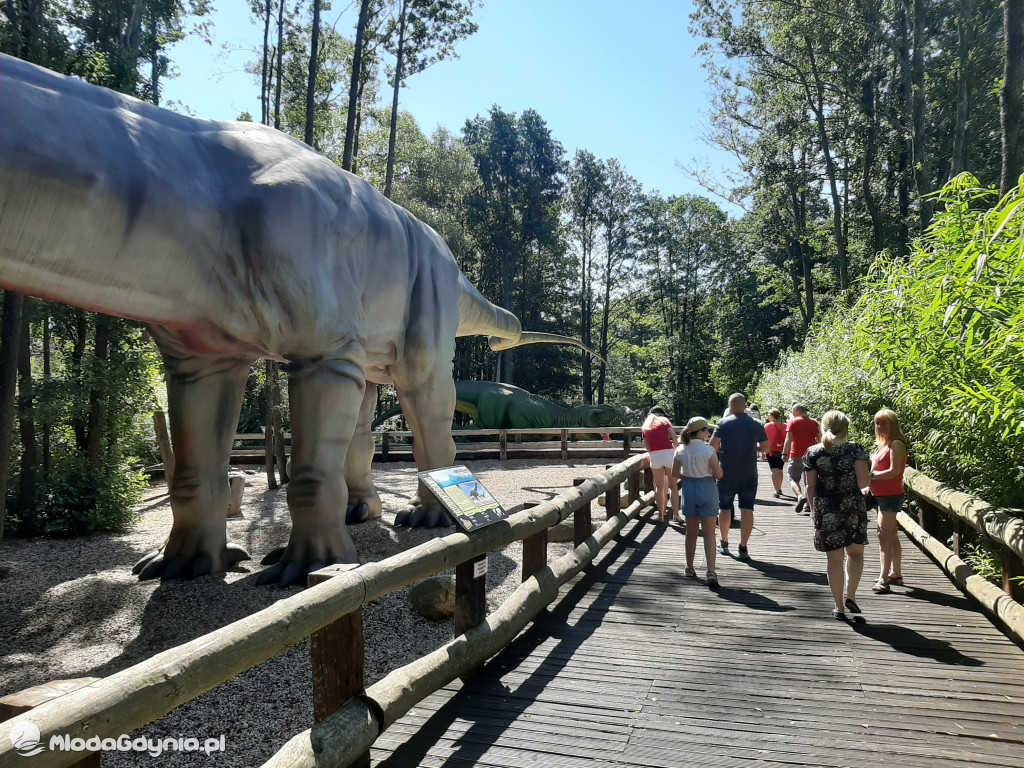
[384, 440]
[1013, 568]
[648, 484]
[959, 529]
[627, 435]
[164, 441]
[565, 444]
[502, 445]
[268, 454]
[929, 517]
[470, 593]
[611, 500]
[279, 447]
[339, 660]
[24, 701]
[535, 549]
[582, 526]
[633, 487]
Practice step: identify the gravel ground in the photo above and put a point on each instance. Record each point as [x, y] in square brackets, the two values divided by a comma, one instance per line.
[71, 608]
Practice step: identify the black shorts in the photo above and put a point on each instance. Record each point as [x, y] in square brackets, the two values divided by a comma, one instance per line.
[775, 461]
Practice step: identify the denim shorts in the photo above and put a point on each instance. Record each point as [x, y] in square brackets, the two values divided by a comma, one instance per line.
[728, 490]
[700, 497]
[890, 504]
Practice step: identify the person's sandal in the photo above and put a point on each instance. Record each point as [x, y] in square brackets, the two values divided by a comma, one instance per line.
[712, 578]
[881, 588]
[838, 615]
[897, 580]
[851, 605]
[690, 573]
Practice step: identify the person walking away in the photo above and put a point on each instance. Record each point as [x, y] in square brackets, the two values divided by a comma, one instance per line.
[888, 462]
[696, 463]
[660, 439]
[837, 471]
[801, 433]
[739, 437]
[776, 432]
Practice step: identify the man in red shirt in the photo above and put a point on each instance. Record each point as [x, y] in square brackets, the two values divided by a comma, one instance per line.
[801, 433]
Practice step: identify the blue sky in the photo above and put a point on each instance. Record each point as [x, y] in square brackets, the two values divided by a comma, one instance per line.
[620, 79]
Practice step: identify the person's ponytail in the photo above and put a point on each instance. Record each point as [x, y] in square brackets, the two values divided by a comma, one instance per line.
[836, 426]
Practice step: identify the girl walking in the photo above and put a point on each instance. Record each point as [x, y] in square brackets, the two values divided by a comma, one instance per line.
[660, 440]
[888, 461]
[697, 464]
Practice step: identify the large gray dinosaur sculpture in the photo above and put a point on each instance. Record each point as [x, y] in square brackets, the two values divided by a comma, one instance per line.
[494, 405]
[234, 243]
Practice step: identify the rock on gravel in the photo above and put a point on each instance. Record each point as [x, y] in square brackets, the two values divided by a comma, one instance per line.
[71, 608]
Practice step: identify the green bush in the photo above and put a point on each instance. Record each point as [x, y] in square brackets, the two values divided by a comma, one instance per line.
[939, 337]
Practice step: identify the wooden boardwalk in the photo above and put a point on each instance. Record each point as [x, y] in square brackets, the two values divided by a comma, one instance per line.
[640, 666]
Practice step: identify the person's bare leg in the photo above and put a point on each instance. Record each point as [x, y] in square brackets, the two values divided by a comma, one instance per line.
[707, 525]
[854, 569]
[691, 541]
[677, 511]
[895, 551]
[884, 549]
[746, 525]
[725, 523]
[836, 580]
[777, 480]
[660, 481]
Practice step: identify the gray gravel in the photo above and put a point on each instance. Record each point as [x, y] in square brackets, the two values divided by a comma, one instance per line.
[71, 608]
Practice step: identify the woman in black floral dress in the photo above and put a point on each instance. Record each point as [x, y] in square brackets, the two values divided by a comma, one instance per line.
[837, 471]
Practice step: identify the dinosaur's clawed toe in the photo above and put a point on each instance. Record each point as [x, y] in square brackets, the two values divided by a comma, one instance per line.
[273, 557]
[422, 517]
[357, 513]
[187, 564]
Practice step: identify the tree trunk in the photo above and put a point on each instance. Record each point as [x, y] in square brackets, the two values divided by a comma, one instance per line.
[79, 344]
[1011, 101]
[958, 161]
[314, 62]
[26, 415]
[280, 62]
[10, 335]
[816, 102]
[265, 78]
[46, 378]
[97, 410]
[917, 13]
[871, 135]
[354, 86]
[393, 133]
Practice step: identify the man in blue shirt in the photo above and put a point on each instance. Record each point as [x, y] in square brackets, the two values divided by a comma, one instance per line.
[738, 437]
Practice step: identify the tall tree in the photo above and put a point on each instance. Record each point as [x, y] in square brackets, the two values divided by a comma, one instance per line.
[420, 34]
[1011, 95]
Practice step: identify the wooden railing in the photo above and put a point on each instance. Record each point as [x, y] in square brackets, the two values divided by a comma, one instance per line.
[946, 514]
[348, 718]
[524, 442]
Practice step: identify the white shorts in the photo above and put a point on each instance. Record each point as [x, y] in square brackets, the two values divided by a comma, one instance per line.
[662, 459]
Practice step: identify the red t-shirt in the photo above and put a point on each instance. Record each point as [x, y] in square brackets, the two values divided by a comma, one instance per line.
[805, 434]
[657, 437]
[776, 436]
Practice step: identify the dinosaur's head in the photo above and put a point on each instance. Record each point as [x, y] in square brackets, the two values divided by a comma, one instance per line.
[598, 416]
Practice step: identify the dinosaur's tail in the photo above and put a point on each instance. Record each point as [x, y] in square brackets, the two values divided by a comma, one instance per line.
[385, 416]
[478, 317]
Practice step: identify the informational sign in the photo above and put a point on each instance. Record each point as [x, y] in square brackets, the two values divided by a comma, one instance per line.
[464, 496]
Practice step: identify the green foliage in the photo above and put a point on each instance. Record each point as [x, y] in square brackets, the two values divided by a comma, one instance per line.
[938, 338]
[81, 499]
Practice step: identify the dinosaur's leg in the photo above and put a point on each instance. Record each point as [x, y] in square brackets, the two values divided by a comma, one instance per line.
[204, 398]
[325, 395]
[428, 402]
[363, 501]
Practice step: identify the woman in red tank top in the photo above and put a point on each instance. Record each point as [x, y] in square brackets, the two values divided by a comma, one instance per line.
[888, 461]
[660, 439]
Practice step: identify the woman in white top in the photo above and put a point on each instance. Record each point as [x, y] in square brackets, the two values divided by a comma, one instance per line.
[697, 464]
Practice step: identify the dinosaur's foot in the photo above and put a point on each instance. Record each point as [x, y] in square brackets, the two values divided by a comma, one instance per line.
[291, 565]
[188, 559]
[423, 515]
[363, 506]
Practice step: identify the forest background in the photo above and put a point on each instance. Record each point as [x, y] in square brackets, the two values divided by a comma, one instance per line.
[877, 259]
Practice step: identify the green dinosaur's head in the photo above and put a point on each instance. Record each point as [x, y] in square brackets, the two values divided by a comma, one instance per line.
[598, 416]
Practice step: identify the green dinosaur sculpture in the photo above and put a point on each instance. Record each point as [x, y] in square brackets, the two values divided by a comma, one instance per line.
[493, 405]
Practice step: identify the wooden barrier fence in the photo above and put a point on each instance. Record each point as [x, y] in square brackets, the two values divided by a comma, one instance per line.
[349, 718]
[946, 514]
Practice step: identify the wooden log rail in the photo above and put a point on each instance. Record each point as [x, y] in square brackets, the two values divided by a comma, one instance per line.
[944, 511]
[127, 700]
[623, 445]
